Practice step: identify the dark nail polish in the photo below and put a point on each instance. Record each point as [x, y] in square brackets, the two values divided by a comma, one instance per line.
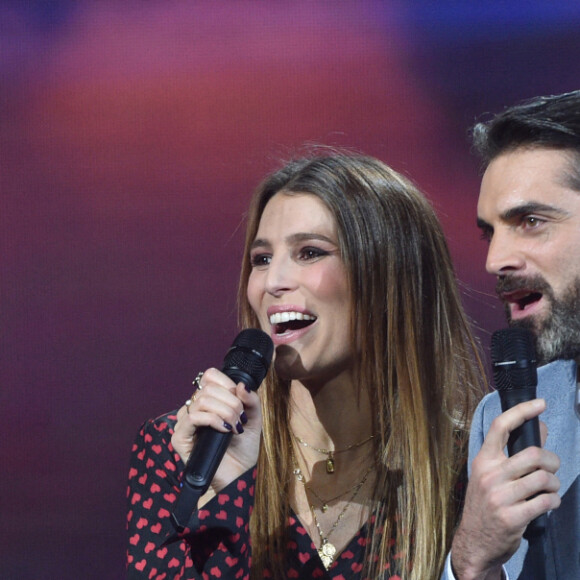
[228, 426]
[239, 427]
[243, 418]
[248, 388]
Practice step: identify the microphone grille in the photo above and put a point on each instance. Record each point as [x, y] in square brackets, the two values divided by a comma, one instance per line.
[513, 358]
[251, 352]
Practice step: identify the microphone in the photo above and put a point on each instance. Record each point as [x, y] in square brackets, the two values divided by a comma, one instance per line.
[246, 361]
[514, 371]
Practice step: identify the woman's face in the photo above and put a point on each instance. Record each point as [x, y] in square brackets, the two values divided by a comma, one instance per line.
[298, 288]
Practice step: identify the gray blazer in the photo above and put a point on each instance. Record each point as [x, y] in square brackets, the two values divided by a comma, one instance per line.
[557, 385]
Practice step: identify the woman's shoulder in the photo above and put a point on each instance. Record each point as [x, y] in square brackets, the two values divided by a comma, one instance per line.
[152, 449]
[165, 422]
[156, 431]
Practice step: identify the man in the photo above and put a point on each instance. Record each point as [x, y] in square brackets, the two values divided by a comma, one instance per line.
[529, 211]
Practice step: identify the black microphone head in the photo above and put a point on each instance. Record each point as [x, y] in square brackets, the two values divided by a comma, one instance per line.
[513, 357]
[249, 357]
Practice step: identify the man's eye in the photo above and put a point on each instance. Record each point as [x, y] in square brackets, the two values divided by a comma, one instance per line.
[531, 221]
[486, 234]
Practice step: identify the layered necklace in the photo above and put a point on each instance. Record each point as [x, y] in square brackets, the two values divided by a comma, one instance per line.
[327, 550]
[330, 453]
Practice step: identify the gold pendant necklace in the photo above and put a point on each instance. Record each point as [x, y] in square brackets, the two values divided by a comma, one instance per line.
[330, 463]
[327, 551]
[330, 453]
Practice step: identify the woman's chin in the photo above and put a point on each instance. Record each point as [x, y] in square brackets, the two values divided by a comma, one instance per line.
[288, 364]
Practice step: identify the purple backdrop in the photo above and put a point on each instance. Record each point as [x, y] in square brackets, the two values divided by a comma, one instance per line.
[132, 135]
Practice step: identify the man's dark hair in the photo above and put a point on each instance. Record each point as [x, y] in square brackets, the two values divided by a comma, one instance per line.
[551, 122]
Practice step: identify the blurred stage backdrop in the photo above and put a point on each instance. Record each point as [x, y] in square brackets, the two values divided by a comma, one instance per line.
[132, 134]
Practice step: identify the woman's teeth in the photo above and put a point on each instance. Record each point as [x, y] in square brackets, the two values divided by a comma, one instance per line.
[281, 317]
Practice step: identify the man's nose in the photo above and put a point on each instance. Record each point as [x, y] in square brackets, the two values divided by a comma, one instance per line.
[504, 254]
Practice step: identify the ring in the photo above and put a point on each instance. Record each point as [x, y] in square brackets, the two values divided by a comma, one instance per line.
[197, 381]
[197, 384]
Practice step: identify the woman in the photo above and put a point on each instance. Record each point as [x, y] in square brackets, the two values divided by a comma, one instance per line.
[354, 444]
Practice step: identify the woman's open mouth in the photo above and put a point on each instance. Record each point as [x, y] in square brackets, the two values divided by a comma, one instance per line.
[284, 322]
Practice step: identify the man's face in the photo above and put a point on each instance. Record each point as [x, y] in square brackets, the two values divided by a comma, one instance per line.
[531, 216]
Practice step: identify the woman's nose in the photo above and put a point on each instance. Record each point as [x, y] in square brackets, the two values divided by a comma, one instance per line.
[281, 276]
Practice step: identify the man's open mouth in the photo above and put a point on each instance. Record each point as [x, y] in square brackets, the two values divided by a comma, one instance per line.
[522, 299]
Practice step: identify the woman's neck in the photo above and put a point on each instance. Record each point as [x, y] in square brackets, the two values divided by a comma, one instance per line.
[332, 416]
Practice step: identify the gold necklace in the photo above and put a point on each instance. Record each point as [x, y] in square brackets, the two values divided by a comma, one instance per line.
[327, 551]
[330, 453]
[324, 507]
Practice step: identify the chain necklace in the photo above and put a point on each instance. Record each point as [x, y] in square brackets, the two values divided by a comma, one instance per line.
[327, 551]
[330, 453]
[325, 502]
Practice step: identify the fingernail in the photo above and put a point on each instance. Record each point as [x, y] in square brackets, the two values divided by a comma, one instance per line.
[228, 426]
[243, 418]
[248, 388]
[239, 427]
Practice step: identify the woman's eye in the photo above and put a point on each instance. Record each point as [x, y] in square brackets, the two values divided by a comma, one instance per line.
[311, 253]
[258, 260]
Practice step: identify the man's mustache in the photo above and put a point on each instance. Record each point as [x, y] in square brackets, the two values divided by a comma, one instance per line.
[535, 283]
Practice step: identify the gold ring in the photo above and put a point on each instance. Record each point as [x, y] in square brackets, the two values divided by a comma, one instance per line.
[190, 401]
[197, 384]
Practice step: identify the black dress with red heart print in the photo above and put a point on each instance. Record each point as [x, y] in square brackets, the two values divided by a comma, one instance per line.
[218, 546]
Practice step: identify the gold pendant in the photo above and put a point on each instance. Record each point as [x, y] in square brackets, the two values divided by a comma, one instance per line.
[324, 507]
[327, 552]
[330, 463]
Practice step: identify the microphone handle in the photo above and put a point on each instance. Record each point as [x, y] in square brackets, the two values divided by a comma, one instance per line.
[246, 362]
[210, 445]
[203, 462]
[206, 455]
[208, 450]
[526, 435]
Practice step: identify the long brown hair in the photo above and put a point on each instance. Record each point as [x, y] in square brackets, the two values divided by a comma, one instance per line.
[419, 363]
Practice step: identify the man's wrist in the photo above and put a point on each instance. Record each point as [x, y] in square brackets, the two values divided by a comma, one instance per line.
[462, 571]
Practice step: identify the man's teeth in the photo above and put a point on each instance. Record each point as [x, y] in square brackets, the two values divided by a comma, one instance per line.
[280, 317]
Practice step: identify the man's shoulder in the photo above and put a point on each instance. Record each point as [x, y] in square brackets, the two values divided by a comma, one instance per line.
[556, 384]
[490, 404]
[556, 373]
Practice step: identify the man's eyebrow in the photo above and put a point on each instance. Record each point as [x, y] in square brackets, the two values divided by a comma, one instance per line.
[531, 207]
[522, 210]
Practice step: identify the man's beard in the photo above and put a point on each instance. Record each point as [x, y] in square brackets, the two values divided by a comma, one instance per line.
[557, 334]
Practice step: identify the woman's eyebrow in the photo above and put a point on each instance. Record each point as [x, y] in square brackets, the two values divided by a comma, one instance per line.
[260, 243]
[293, 238]
[305, 236]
